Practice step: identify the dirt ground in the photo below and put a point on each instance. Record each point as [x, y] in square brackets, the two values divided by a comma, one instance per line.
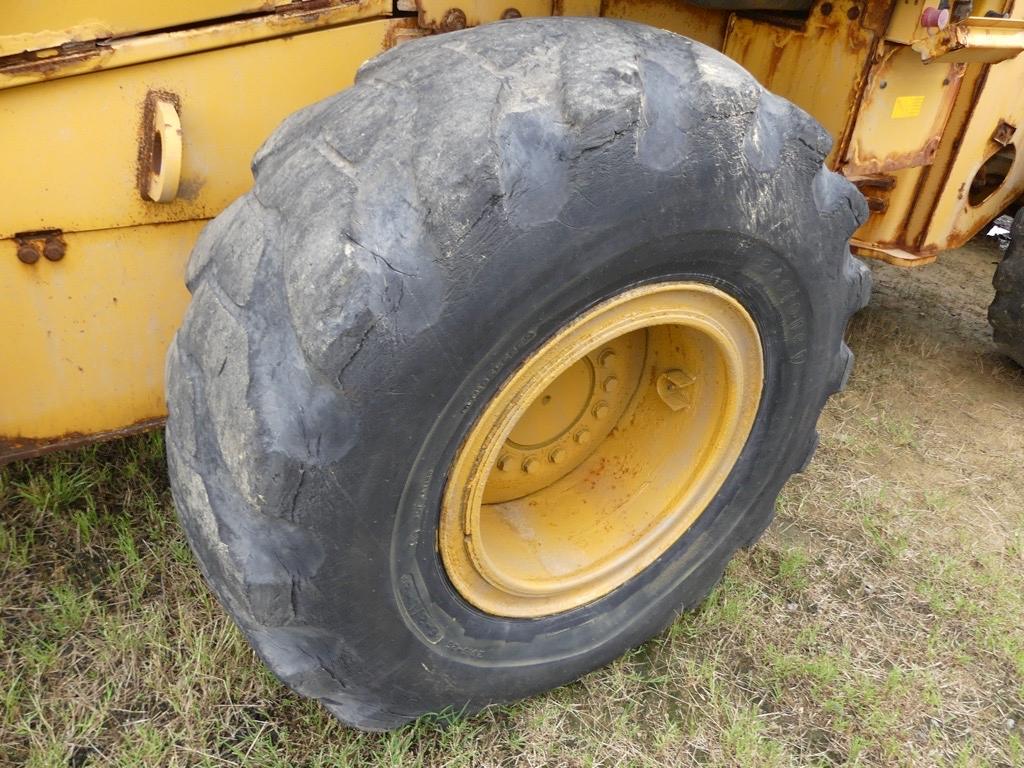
[879, 622]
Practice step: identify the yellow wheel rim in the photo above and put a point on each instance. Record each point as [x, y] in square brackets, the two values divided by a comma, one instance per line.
[601, 450]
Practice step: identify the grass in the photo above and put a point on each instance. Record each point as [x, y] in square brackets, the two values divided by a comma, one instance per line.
[880, 622]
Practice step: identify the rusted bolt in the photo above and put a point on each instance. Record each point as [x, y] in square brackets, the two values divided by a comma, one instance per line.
[1003, 134]
[28, 253]
[853, 13]
[826, 9]
[54, 249]
[454, 19]
[511, 13]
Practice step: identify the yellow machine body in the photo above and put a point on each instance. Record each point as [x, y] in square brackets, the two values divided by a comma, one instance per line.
[124, 126]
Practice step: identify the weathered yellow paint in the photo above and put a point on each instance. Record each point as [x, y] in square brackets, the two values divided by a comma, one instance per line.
[954, 220]
[73, 152]
[902, 113]
[820, 65]
[928, 209]
[534, 520]
[294, 19]
[974, 40]
[433, 13]
[86, 131]
[705, 25]
[29, 25]
[83, 339]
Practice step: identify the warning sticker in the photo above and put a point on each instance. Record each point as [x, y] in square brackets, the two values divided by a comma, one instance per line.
[907, 106]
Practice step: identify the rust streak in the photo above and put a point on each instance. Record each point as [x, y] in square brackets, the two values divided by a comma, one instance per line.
[15, 448]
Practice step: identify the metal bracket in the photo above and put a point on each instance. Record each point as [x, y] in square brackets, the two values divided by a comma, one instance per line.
[976, 39]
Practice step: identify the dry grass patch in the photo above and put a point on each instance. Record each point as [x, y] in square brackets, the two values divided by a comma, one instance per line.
[880, 622]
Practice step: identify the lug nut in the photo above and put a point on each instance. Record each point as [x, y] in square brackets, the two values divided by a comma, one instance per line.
[557, 456]
[606, 358]
[504, 463]
[611, 384]
[531, 466]
[582, 437]
[511, 13]
[600, 410]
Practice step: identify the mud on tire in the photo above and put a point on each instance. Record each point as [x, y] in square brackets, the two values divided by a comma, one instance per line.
[409, 241]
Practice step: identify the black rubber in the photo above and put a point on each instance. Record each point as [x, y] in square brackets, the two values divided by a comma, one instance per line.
[1006, 312]
[406, 244]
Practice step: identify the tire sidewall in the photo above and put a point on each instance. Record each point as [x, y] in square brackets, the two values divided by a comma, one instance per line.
[447, 626]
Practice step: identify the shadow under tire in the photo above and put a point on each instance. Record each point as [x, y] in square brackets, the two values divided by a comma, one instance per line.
[408, 243]
[1006, 312]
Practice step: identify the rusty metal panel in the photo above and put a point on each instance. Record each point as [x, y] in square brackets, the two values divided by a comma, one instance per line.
[903, 113]
[929, 208]
[83, 338]
[905, 23]
[294, 19]
[820, 65]
[29, 25]
[998, 103]
[447, 16]
[706, 25]
[71, 149]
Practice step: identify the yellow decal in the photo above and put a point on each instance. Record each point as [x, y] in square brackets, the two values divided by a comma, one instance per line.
[907, 106]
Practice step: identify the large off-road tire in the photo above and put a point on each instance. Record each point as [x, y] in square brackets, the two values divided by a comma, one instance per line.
[1006, 313]
[407, 245]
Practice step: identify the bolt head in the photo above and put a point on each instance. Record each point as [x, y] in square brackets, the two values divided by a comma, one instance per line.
[511, 13]
[558, 455]
[606, 358]
[531, 466]
[28, 253]
[583, 436]
[600, 410]
[611, 384]
[454, 20]
[504, 463]
[53, 249]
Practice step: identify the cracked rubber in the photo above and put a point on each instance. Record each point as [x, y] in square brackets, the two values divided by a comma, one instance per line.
[406, 244]
[1006, 313]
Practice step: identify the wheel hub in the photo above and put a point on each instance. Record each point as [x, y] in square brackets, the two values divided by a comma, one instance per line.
[601, 450]
[569, 420]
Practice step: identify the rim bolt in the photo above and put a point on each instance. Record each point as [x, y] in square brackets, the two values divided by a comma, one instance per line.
[611, 384]
[504, 463]
[557, 456]
[531, 466]
[600, 410]
[606, 358]
[582, 437]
